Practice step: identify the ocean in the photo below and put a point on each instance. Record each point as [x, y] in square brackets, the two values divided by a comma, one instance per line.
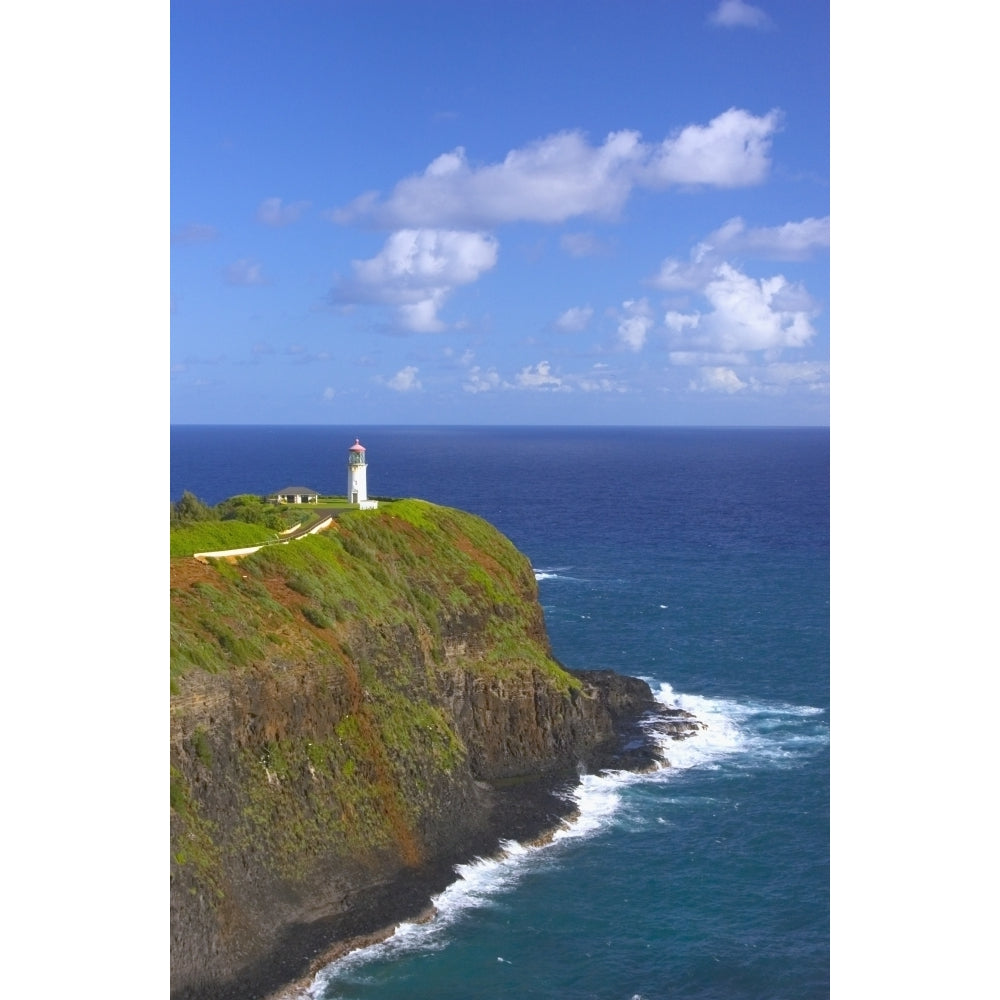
[697, 559]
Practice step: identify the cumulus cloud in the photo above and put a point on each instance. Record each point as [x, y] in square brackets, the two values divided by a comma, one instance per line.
[812, 377]
[634, 324]
[746, 314]
[685, 276]
[575, 319]
[563, 176]
[463, 360]
[405, 380]
[790, 241]
[415, 272]
[273, 212]
[738, 14]
[718, 380]
[477, 380]
[732, 150]
[743, 313]
[751, 314]
[599, 380]
[539, 377]
[245, 272]
[678, 321]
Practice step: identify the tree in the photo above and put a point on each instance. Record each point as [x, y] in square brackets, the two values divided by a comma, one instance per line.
[189, 509]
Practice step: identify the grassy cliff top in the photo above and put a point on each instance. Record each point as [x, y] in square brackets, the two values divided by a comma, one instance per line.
[410, 563]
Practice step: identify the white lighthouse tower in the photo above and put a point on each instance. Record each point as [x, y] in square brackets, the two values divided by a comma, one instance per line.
[357, 477]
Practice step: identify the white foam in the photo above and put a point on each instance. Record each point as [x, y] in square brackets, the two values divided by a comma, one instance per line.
[775, 732]
[478, 884]
[554, 573]
[732, 728]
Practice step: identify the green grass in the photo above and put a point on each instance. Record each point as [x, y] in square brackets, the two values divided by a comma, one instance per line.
[410, 564]
[213, 536]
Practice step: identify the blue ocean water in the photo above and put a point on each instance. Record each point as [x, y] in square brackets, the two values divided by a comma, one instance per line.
[696, 558]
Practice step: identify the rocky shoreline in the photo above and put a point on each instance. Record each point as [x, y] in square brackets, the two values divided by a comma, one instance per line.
[529, 811]
[531, 814]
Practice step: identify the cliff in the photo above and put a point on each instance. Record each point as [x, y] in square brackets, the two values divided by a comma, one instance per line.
[351, 715]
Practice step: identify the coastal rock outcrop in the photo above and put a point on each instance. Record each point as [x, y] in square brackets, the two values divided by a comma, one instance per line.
[352, 714]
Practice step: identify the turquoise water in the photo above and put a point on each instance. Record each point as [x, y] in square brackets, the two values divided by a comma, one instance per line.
[697, 559]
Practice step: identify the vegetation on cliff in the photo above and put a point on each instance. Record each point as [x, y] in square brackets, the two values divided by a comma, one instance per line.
[410, 564]
[238, 522]
[336, 702]
[349, 709]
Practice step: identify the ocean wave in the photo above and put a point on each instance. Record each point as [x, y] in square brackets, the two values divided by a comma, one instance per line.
[733, 729]
[555, 573]
[478, 884]
[758, 731]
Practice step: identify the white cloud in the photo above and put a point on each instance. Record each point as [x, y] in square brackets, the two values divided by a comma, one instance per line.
[790, 241]
[733, 150]
[750, 314]
[416, 270]
[598, 381]
[245, 272]
[678, 321]
[575, 319]
[746, 314]
[477, 380]
[273, 212]
[635, 324]
[464, 359]
[563, 176]
[743, 313]
[422, 317]
[719, 380]
[329, 392]
[551, 180]
[683, 276]
[738, 14]
[539, 377]
[812, 377]
[405, 380]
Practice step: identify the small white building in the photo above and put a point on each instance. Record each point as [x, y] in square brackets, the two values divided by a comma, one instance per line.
[357, 477]
[296, 494]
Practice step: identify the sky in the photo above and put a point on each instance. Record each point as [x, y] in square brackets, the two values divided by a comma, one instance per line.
[495, 212]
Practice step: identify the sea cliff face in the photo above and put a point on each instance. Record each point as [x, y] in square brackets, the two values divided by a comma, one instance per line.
[352, 714]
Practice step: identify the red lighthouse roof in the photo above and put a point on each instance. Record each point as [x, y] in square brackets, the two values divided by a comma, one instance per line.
[357, 446]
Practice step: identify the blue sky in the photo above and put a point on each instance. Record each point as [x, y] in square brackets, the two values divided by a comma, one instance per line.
[473, 211]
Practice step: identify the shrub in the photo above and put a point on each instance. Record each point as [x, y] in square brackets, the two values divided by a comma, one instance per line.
[190, 509]
[314, 616]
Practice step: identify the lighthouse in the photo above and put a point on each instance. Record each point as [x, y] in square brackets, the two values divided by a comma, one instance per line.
[357, 477]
